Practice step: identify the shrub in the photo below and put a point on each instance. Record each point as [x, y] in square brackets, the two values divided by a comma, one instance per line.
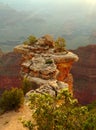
[26, 86]
[11, 99]
[30, 40]
[28, 124]
[59, 113]
[25, 42]
[60, 42]
[48, 61]
[90, 122]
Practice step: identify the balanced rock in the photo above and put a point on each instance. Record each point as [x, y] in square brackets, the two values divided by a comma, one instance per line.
[45, 66]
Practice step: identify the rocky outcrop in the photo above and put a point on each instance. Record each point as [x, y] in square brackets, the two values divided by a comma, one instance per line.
[44, 64]
[10, 64]
[84, 72]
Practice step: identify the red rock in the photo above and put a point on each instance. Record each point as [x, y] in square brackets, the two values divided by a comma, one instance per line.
[10, 65]
[84, 72]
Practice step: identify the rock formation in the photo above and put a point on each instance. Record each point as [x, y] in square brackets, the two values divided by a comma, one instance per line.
[84, 73]
[9, 71]
[46, 66]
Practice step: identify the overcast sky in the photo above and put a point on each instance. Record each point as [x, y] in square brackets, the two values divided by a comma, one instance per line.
[24, 4]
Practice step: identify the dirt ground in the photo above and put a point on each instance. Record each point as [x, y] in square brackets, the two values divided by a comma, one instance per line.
[11, 120]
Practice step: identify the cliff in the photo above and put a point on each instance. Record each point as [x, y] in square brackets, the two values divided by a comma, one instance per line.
[84, 72]
[10, 64]
[46, 66]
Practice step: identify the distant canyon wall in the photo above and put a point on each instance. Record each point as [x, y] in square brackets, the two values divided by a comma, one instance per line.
[9, 71]
[84, 73]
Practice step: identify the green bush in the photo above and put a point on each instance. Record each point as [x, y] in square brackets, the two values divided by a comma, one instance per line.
[26, 86]
[48, 61]
[30, 40]
[26, 42]
[28, 124]
[60, 42]
[11, 99]
[59, 113]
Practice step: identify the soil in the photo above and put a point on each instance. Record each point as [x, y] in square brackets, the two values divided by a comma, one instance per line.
[12, 120]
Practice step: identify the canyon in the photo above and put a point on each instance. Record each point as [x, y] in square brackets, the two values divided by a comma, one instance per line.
[44, 68]
[9, 71]
[84, 73]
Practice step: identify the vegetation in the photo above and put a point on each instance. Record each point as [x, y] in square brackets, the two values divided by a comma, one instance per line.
[60, 44]
[49, 61]
[28, 124]
[11, 99]
[59, 113]
[26, 86]
[30, 40]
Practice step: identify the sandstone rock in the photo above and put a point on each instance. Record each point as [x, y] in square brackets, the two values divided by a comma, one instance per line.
[42, 64]
[64, 57]
[47, 40]
[35, 80]
[21, 49]
[52, 87]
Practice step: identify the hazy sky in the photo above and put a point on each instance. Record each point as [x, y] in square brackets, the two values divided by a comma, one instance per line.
[24, 4]
[60, 17]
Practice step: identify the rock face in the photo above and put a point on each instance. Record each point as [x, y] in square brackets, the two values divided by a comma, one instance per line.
[9, 71]
[44, 65]
[84, 73]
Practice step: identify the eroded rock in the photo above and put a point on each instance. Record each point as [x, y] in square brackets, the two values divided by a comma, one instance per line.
[48, 68]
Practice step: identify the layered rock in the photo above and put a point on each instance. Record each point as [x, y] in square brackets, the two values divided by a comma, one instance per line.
[84, 73]
[43, 64]
[9, 71]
